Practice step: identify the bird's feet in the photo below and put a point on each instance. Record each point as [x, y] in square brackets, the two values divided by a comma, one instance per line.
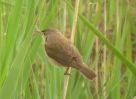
[67, 71]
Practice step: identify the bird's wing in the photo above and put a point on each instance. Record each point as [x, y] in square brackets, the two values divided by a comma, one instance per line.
[60, 51]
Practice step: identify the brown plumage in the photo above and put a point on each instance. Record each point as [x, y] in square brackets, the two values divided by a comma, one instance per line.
[64, 52]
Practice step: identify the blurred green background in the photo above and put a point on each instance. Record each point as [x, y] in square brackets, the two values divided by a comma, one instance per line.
[105, 36]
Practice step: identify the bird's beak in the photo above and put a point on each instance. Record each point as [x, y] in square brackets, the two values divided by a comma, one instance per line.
[37, 32]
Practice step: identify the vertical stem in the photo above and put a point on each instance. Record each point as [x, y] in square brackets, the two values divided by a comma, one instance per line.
[96, 70]
[75, 21]
[66, 78]
[96, 52]
[104, 50]
[65, 17]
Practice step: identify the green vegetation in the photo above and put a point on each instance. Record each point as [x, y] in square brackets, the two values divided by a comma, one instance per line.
[105, 36]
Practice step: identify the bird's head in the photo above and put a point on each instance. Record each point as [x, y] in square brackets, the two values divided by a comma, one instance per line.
[48, 31]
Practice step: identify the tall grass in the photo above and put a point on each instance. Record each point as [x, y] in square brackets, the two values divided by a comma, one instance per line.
[25, 71]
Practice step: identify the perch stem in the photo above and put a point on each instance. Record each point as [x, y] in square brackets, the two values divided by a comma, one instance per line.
[66, 77]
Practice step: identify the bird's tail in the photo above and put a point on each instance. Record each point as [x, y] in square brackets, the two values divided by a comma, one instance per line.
[86, 71]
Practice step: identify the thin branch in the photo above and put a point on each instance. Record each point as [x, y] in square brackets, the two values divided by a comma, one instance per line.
[104, 50]
[75, 21]
[66, 78]
[96, 70]
[96, 52]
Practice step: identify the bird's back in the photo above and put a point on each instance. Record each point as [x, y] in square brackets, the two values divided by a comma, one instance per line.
[62, 50]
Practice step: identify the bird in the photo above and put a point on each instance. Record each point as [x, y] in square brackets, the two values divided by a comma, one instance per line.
[64, 52]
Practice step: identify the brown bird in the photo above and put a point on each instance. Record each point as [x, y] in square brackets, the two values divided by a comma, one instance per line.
[64, 52]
